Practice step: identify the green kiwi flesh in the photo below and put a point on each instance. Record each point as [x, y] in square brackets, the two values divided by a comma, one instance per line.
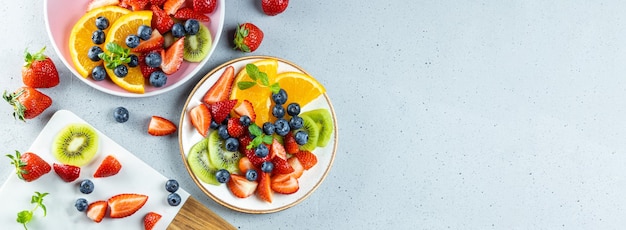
[76, 144]
[197, 46]
[312, 129]
[198, 159]
[221, 158]
[324, 122]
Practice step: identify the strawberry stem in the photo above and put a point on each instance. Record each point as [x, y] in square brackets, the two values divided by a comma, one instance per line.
[30, 58]
[19, 108]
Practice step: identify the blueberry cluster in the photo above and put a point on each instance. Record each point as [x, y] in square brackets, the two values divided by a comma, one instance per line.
[173, 198]
[282, 126]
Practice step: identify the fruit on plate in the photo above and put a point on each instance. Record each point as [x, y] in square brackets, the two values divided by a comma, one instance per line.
[313, 131]
[29, 166]
[220, 91]
[27, 102]
[301, 87]
[109, 166]
[160, 126]
[274, 7]
[204, 6]
[93, 4]
[197, 46]
[240, 186]
[39, 71]
[124, 205]
[67, 173]
[200, 118]
[173, 57]
[324, 122]
[97, 210]
[219, 156]
[150, 220]
[161, 20]
[248, 37]
[198, 160]
[75, 144]
[258, 96]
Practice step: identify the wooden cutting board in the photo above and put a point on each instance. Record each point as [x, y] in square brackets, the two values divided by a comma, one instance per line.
[194, 215]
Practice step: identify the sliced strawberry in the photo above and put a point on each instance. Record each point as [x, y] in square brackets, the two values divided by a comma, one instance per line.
[297, 167]
[155, 42]
[29, 166]
[291, 146]
[204, 6]
[264, 190]
[160, 126]
[109, 167]
[281, 166]
[145, 69]
[150, 220]
[188, 13]
[245, 108]
[277, 150]
[220, 91]
[100, 3]
[254, 159]
[97, 210]
[171, 6]
[161, 20]
[173, 57]
[158, 3]
[234, 127]
[134, 5]
[124, 205]
[240, 186]
[244, 141]
[284, 183]
[201, 118]
[306, 158]
[221, 109]
[245, 164]
[68, 173]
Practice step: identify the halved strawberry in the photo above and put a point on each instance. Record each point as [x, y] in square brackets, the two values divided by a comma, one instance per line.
[171, 6]
[306, 158]
[68, 173]
[234, 127]
[298, 169]
[188, 13]
[284, 184]
[277, 150]
[254, 159]
[97, 210]
[173, 57]
[161, 20]
[204, 6]
[245, 108]
[109, 167]
[244, 141]
[124, 205]
[158, 3]
[155, 42]
[150, 220]
[240, 186]
[281, 166]
[145, 69]
[100, 3]
[290, 143]
[200, 118]
[221, 109]
[134, 5]
[264, 190]
[245, 164]
[160, 126]
[220, 91]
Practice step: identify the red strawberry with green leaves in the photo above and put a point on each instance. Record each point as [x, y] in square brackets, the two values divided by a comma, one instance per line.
[248, 37]
[264, 191]
[29, 166]
[173, 57]
[161, 20]
[39, 71]
[160, 126]
[150, 220]
[108, 167]
[204, 6]
[281, 166]
[124, 205]
[291, 146]
[220, 91]
[221, 109]
[97, 210]
[234, 127]
[27, 102]
[68, 173]
[274, 7]
[245, 108]
[240, 186]
[284, 184]
[155, 42]
[306, 158]
[188, 13]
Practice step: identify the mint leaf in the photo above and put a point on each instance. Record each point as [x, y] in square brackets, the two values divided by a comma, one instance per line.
[255, 130]
[275, 87]
[264, 80]
[245, 84]
[252, 71]
[24, 217]
[267, 139]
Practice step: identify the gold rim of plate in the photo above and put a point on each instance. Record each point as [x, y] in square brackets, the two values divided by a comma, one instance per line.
[214, 197]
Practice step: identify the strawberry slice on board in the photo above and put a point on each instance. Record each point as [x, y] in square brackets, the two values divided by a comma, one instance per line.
[188, 13]
[245, 108]
[264, 191]
[29, 166]
[155, 42]
[284, 184]
[221, 109]
[100, 3]
[306, 158]
[204, 6]
[173, 57]
[171, 6]
[150, 220]
[97, 210]
[200, 117]
[220, 91]
[298, 169]
[110, 166]
[27, 102]
[68, 173]
[161, 20]
[124, 205]
[160, 126]
[240, 186]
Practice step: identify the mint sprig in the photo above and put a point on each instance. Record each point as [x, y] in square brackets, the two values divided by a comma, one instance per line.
[26, 216]
[259, 137]
[116, 56]
[256, 75]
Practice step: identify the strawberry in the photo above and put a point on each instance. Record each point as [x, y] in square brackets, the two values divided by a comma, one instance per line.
[274, 7]
[173, 57]
[297, 167]
[100, 3]
[235, 129]
[29, 166]
[281, 166]
[124, 205]
[284, 183]
[220, 91]
[150, 220]
[155, 42]
[277, 150]
[200, 118]
[244, 141]
[254, 159]
[264, 190]
[248, 37]
[188, 13]
[245, 108]
[291, 146]
[204, 6]
[221, 109]
[134, 5]
[160, 20]
[245, 164]
[171, 6]
[158, 3]
[68, 173]
[240, 186]
[96, 210]
[27, 102]
[145, 69]
[160, 126]
[39, 71]
[108, 167]
[306, 158]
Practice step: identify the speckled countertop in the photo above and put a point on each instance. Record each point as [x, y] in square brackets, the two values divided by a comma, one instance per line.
[452, 114]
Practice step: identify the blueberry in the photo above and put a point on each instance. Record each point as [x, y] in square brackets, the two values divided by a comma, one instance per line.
[280, 97]
[144, 32]
[192, 26]
[171, 185]
[251, 175]
[296, 122]
[132, 41]
[293, 109]
[93, 53]
[282, 127]
[269, 128]
[134, 60]
[222, 131]
[267, 166]
[222, 175]
[302, 137]
[231, 144]
[97, 37]
[158, 78]
[86, 186]
[153, 59]
[120, 71]
[81, 204]
[121, 114]
[278, 111]
[102, 22]
[261, 151]
[245, 120]
[173, 199]
[98, 73]
[214, 125]
[178, 30]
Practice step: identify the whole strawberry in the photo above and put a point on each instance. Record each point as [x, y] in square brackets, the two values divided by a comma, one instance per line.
[274, 7]
[27, 102]
[248, 37]
[29, 166]
[39, 71]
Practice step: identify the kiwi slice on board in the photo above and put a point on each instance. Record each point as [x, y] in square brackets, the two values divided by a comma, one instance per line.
[198, 160]
[309, 126]
[221, 158]
[325, 123]
[76, 144]
[197, 46]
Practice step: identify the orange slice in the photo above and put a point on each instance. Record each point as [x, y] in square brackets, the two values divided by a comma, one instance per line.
[301, 88]
[258, 96]
[80, 37]
[124, 26]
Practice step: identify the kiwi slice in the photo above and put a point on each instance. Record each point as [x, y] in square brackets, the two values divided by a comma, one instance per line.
[198, 160]
[197, 46]
[325, 123]
[76, 144]
[313, 130]
[221, 158]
